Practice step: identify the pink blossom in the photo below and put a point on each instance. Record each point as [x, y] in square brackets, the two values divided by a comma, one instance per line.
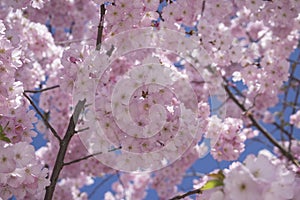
[240, 183]
[295, 119]
[8, 164]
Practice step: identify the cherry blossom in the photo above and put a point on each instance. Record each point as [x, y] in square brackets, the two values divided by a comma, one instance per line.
[164, 83]
[295, 119]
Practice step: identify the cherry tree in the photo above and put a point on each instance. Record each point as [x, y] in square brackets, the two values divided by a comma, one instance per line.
[142, 90]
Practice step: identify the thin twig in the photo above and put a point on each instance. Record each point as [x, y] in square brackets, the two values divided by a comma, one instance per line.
[42, 116]
[63, 145]
[81, 130]
[288, 87]
[196, 191]
[41, 90]
[100, 27]
[220, 106]
[295, 79]
[80, 159]
[261, 128]
[88, 156]
[258, 140]
[160, 12]
[293, 61]
[203, 8]
[68, 42]
[281, 129]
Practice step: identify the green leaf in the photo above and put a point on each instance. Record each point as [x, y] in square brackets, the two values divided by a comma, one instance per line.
[1, 129]
[2, 134]
[212, 184]
[4, 138]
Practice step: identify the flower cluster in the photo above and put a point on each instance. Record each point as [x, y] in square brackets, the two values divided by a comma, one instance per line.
[21, 174]
[165, 181]
[227, 140]
[259, 177]
[130, 186]
[153, 90]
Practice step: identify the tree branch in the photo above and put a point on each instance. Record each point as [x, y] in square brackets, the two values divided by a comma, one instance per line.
[203, 8]
[196, 191]
[282, 129]
[81, 130]
[80, 159]
[88, 156]
[100, 27]
[43, 117]
[63, 145]
[261, 128]
[41, 90]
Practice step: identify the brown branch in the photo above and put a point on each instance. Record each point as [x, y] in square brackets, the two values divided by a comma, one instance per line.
[80, 159]
[287, 88]
[293, 61]
[63, 145]
[88, 156]
[261, 128]
[282, 129]
[100, 27]
[42, 116]
[203, 8]
[81, 130]
[295, 79]
[196, 191]
[160, 12]
[41, 90]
